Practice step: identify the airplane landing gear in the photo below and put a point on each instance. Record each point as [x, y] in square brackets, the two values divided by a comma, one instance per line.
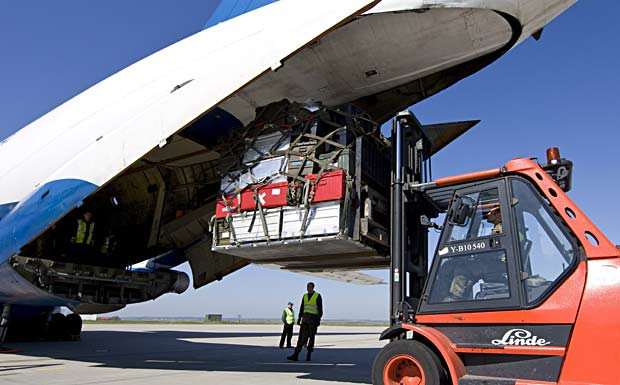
[67, 328]
[56, 327]
[19, 325]
[74, 326]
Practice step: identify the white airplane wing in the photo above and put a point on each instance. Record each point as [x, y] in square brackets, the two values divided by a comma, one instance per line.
[348, 276]
[95, 136]
[354, 277]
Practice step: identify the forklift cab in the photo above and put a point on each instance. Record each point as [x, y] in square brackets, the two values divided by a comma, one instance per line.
[501, 247]
[502, 244]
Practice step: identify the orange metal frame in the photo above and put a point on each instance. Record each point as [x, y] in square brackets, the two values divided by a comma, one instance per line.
[580, 224]
[589, 298]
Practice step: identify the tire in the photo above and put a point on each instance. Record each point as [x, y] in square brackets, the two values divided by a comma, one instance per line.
[407, 362]
[57, 327]
[74, 324]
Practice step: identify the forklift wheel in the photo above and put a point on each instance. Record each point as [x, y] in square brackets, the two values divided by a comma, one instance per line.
[407, 362]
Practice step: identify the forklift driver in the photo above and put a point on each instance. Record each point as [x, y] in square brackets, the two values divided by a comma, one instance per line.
[458, 287]
[474, 277]
[494, 216]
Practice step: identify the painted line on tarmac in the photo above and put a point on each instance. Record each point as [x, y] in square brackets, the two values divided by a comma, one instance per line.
[305, 363]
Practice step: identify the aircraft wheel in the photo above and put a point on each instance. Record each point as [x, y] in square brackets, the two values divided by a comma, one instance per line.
[407, 362]
[57, 326]
[74, 325]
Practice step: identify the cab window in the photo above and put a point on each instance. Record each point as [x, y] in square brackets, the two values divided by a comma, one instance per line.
[472, 277]
[546, 252]
[474, 266]
[482, 219]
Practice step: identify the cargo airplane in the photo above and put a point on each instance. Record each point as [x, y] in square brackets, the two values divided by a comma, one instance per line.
[138, 149]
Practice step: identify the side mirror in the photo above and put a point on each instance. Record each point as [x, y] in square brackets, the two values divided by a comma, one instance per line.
[460, 210]
[427, 222]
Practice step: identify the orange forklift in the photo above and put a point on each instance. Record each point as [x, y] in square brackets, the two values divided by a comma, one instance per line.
[522, 288]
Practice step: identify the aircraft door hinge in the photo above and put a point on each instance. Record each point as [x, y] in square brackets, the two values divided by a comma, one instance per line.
[276, 66]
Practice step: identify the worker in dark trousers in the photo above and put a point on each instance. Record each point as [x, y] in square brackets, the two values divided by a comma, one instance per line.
[310, 313]
[83, 237]
[288, 319]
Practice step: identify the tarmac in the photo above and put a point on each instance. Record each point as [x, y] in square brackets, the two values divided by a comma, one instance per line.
[151, 354]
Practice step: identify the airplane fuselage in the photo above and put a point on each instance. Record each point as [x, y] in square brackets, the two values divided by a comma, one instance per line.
[381, 56]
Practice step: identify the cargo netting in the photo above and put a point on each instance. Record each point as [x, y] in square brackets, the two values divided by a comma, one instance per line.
[293, 155]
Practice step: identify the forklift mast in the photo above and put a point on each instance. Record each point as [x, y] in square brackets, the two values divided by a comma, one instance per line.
[411, 165]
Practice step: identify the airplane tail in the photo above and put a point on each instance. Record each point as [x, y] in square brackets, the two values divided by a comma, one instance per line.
[229, 9]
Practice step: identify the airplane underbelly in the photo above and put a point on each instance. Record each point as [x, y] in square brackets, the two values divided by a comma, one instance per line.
[375, 53]
[84, 288]
[17, 290]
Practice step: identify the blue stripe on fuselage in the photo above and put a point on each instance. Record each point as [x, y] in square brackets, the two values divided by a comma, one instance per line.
[42, 208]
[6, 208]
[229, 9]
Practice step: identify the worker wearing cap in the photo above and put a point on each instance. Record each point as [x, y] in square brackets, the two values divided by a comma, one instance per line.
[288, 319]
[494, 217]
[310, 313]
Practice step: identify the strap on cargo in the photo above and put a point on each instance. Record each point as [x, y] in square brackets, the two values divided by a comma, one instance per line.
[348, 198]
[325, 165]
[311, 189]
[256, 203]
[270, 152]
[308, 195]
[324, 139]
[213, 229]
[229, 218]
[259, 208]
[233, 235]
[293, 195]
[280, 221]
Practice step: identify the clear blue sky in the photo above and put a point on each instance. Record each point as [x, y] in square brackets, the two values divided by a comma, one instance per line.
[560, 91]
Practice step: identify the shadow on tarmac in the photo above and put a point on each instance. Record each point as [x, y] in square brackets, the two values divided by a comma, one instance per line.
[202, 351]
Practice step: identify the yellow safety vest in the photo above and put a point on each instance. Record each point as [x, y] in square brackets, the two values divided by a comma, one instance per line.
[289, 316]
[83, 228]
[310, 305]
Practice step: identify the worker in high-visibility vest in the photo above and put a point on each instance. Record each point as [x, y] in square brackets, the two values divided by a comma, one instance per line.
[84, 236]
[310, 313]
[288, 319]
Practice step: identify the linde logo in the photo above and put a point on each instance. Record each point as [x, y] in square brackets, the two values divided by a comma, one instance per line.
[520, 337]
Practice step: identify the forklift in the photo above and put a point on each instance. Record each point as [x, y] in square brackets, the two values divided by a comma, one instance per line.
[522, 287]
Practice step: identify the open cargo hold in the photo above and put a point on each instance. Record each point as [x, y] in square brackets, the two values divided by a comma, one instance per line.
[319, 177]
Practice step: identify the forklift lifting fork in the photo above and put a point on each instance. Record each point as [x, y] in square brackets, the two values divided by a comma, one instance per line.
[523, 288]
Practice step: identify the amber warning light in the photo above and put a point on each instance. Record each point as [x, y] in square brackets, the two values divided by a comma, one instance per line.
[559, 169]
[553, 155]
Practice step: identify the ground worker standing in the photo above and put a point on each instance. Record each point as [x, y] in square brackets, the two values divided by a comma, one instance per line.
[310, 313]
[288, 319]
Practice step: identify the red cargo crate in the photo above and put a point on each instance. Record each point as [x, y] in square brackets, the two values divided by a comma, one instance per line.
[271, 195]
[330, 188]
[220, 207]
